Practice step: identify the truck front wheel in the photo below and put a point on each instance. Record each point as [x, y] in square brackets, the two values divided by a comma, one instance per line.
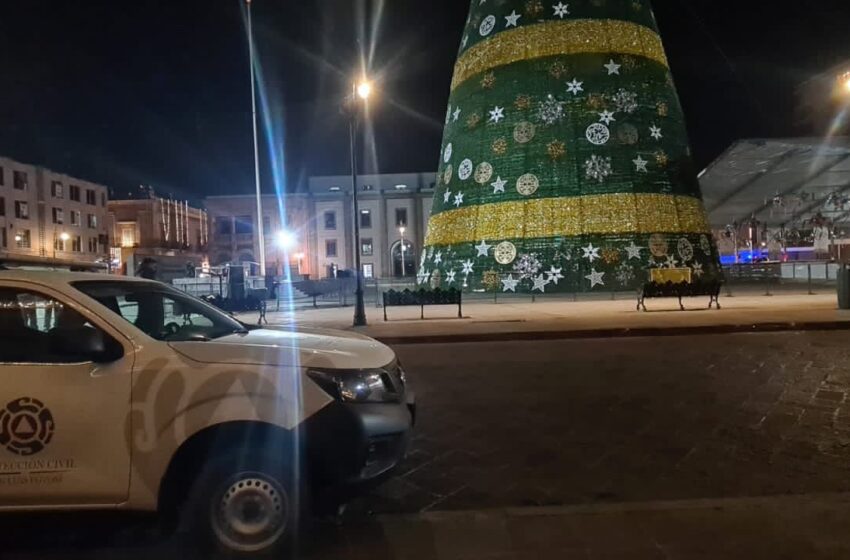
[247, 504]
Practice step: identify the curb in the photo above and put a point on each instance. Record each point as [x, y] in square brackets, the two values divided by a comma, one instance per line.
[519, 336]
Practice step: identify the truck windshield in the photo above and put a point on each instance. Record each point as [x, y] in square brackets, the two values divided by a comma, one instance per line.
[161, 312]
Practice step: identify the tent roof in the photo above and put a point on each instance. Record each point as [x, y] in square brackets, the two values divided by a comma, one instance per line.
[782, 182]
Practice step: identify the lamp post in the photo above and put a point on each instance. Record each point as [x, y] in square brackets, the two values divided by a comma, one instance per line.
[362, 90]
[261, 238]
[286, 240]
[401, 231]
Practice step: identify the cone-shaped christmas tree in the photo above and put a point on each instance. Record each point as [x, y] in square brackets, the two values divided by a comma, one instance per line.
[565, 163]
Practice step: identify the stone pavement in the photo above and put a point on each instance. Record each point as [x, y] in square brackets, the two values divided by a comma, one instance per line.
[566, 422]
[691, 447]
[519, 319]
[797, 527]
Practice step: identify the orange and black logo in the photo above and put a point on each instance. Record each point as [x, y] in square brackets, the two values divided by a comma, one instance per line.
[26, 426]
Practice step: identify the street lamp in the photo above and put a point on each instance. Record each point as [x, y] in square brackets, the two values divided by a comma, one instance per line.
[286, 239]
[362, 90]
[401, 230]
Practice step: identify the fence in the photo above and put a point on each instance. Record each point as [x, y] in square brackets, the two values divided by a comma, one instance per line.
[739, 279]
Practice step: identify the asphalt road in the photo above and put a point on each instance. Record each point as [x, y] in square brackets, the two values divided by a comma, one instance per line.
[583, 422]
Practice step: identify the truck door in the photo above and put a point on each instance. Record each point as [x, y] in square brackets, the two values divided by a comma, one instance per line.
[65, 378]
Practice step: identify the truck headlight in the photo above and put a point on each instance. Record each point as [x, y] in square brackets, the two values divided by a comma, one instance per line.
[357, 386]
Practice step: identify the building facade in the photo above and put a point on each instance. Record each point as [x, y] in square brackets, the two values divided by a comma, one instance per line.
[50, 218]
[312, 233]
[170, 231]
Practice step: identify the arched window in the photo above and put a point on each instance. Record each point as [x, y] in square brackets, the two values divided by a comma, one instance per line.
[409, 255]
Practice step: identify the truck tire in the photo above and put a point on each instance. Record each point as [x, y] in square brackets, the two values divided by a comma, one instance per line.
[246, 504]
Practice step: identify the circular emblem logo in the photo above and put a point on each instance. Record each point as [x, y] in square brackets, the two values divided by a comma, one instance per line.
[487, 25]
[483, 173]
[628, 134]
[447, 153]
[464, 170]
[447, 175]
[26, 426]
[524, 132]
[598, 134]
[505, 252]
[686, 250]
[527, 185]
[658, 245]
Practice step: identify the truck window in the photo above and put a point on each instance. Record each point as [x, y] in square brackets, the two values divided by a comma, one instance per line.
[31, 325]
[160, 312]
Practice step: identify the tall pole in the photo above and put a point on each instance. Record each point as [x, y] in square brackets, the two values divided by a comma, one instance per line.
[359, 306]
[403, 271]
[260, 233]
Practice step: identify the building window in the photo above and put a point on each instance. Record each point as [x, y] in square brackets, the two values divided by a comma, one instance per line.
[330, 248]
[57, 189]
[2, 206]
[366, 247]
[75, 217]
[103, 199]
[92, 244]
[368, 187]
[58, 216]
[59, 244]
[128, 235]
[366, 219]
[401, 217]
[20, 180]
[330, 219]
[22, 210]
[368, 270]
[92, 221]
[77, 244]
[244, 225]
[22, 239]
[74, 193]
[2, 177]
[224, 226]
[91, 197]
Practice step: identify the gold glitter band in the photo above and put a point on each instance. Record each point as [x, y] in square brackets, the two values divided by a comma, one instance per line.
[559, 37]
[569, 216]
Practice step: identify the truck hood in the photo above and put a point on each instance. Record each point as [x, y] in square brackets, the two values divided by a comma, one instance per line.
[294, 347]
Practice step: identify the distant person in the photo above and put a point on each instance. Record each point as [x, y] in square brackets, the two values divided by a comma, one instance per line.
[190, 269]
[147, 269]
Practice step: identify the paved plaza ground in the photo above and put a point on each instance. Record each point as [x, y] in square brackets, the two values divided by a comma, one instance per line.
[711, 446]
[519, 318]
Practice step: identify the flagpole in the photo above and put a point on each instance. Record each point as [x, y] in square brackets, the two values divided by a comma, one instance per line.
[260, 233]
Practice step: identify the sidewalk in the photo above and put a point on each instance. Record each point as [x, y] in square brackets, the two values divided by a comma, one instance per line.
[583, 319]
[785, 527]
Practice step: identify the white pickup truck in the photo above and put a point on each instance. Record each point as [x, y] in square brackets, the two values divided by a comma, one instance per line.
[128, 394]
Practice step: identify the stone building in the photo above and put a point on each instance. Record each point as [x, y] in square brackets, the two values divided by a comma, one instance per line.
[50, 218]
[316, 226]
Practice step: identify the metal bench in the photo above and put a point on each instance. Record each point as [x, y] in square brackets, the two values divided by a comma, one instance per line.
[677, 283]
[421, 298]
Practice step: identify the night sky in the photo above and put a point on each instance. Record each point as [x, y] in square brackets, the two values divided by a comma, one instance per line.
[157, 91]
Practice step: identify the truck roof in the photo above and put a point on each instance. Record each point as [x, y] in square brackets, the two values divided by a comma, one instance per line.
[62, 277]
